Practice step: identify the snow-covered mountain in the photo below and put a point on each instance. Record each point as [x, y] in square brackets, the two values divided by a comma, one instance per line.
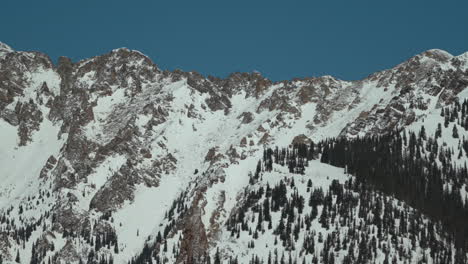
[111, 158]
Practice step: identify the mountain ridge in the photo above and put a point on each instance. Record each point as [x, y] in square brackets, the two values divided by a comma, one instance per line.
[429, 52]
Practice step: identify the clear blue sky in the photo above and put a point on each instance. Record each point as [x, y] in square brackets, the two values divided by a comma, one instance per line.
[281, 39]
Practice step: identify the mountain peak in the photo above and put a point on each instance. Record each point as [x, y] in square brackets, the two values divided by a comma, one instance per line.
[4, 48]
[437, 55]
[121, 49]
[438, 51]
[127, 50]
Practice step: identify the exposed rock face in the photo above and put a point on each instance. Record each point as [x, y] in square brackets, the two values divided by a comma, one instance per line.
[114, 134]
[195, 243]
[118, 190]
[247, 117]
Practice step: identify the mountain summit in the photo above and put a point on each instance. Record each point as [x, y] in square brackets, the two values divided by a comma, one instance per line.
[4, 48]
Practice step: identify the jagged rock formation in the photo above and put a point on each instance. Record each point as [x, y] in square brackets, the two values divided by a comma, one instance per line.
[94, 153]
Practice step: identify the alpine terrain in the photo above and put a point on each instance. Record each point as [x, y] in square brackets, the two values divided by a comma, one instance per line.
[113, 160]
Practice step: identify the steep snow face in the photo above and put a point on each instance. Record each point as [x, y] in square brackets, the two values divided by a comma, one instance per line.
[21, 166]
[117, 142]
[138, 218]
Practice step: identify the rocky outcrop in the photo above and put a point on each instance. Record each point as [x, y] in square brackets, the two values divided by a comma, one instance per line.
[195, 243]
[118, 190]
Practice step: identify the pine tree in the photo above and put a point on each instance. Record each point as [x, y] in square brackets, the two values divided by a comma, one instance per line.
[217, 259]
[258, 170]
[324, 217]
[266, 209]
[422, 133]
[454, 131]
[116, 248]
[159, 237]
